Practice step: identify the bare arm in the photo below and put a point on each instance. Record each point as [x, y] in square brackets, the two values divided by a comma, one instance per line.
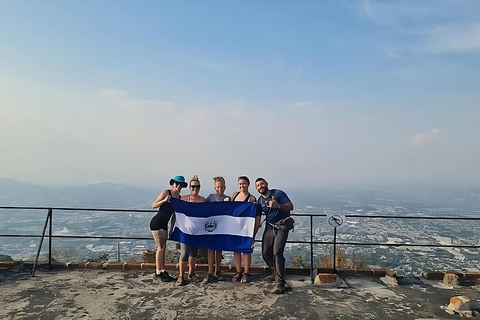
[172, 224]
[257, 225]
[161, 199]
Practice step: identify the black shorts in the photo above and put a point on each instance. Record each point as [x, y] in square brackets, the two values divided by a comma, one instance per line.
[160, 220]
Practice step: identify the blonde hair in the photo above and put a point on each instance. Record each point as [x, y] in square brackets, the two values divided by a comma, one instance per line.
[219, 179]
[195, 178]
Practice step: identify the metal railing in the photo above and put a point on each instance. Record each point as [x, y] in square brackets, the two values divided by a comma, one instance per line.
[334, 220]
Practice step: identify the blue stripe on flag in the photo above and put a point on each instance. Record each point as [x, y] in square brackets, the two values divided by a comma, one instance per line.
[208, 209]
[215, 242]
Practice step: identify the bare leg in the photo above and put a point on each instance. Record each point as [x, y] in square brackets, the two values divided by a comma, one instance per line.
[182, 266]
[237, 256]
[218, 260]
[247, 260]
[192, 262]
[211, 260]
[160, 237]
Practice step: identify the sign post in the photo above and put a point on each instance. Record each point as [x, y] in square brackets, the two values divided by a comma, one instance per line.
[335, 221]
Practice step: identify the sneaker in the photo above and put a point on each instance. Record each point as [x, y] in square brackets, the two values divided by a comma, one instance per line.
[192, 277]
[237, 277]
[278, 289]
[165, 277]
[247, 277]
[180, 282]
[270, 278]
[220, 276]
[157, 277]
[269, 275]
[209, 278]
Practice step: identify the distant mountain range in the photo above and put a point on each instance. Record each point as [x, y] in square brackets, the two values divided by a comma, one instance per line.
[117, 195]
[97, 195]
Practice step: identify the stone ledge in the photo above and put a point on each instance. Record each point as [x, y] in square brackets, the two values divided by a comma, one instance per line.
[370, 272]
[463, 277]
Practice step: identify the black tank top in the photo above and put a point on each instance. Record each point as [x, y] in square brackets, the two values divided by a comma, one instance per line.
[245, 200]
[166, 208]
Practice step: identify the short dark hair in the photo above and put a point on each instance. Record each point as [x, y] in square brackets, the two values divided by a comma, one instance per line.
[261, 179]
[244, 178]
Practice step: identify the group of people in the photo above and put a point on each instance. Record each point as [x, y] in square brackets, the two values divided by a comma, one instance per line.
[273, 203]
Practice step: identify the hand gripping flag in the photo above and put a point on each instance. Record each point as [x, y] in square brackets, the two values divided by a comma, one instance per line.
[215, 225]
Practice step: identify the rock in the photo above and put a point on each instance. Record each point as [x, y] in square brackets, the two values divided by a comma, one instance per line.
[389, 281]
[450, 279]
[459, 305]
[326, 278]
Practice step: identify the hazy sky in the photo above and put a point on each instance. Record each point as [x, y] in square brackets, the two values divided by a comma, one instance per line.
[304, 93]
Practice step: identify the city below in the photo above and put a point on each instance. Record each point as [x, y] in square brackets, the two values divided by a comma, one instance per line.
[375, 234]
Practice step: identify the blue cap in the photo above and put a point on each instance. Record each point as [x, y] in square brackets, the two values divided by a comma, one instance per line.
[179, 180]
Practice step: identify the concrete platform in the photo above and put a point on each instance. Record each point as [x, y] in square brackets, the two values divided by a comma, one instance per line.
[117, 294]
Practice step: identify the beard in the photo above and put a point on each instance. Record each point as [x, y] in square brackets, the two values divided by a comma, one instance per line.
[263, 191]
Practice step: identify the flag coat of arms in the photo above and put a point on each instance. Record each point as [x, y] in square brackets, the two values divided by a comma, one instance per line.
[225, 225]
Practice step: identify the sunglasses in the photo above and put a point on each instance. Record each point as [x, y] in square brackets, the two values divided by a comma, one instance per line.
[195, 186]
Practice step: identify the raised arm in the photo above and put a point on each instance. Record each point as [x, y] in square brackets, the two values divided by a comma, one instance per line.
[161, 199]
[286, 206]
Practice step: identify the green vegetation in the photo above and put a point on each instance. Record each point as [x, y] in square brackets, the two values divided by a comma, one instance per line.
[298, 262]
[148, 256]
[101, 258]
[342, 261]
[4, 257]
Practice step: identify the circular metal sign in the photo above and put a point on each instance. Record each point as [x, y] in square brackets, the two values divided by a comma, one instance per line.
[335, 221]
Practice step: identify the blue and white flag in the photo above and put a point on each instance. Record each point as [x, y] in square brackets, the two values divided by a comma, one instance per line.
[225, 225]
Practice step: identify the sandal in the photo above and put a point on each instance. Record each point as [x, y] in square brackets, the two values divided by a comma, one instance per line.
[220, 276]
[247, 277]
[237, 277]
[180, 282]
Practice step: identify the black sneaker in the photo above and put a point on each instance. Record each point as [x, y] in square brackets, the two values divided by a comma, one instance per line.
[220, 276]
[278, 289]
[165, 277]
[156, 277]
[209, 278]
[270, 276]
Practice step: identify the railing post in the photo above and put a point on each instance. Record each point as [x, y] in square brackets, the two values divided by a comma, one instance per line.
[334, 249]
[311, 249]
[50, 213]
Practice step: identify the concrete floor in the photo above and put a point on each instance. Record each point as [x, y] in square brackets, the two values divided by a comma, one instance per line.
[106, 294]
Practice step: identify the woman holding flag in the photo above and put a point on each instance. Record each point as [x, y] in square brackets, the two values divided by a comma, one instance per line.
[159, 224]
[215, 256]
[243, 195]
[188, 252]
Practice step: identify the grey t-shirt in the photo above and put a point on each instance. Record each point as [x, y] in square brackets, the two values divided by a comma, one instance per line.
[216, 198]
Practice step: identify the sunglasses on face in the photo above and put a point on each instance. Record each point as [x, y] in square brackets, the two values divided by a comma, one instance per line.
[195, 186]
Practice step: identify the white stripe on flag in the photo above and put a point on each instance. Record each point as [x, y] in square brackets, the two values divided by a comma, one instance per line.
[221, 224]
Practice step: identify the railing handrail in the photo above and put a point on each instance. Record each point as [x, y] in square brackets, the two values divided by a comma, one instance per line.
[311, 242]
[293, 214]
